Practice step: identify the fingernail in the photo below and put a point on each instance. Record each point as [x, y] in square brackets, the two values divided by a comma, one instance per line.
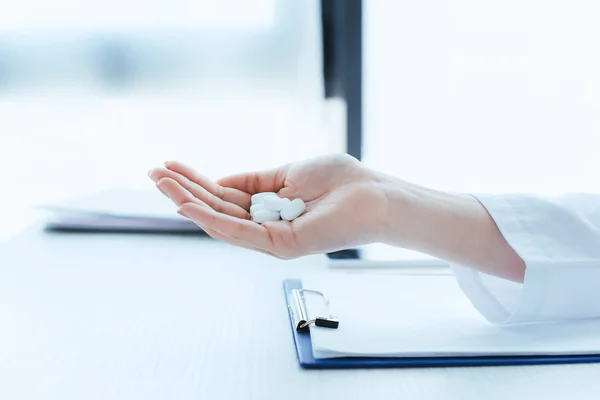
[180, 212]
[150, 172]
[162, 191]
[167, 163]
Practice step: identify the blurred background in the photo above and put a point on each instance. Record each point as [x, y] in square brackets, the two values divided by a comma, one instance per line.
[459, 95]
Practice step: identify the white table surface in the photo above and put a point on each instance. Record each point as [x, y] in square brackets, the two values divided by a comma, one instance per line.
[153, 317]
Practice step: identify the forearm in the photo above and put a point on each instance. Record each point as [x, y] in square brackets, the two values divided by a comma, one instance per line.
[455, 227]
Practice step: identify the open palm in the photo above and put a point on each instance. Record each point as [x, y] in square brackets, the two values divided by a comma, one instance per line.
[342, 197]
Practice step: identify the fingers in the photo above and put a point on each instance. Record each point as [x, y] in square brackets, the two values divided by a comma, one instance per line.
[231, 195]
[255, 182]
[201, 193]
[219, 236]
[179, 195]
[240, 230]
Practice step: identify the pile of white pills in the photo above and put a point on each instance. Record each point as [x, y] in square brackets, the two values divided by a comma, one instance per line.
[267, 206]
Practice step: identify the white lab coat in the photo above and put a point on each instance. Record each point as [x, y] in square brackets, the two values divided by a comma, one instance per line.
[559, 240]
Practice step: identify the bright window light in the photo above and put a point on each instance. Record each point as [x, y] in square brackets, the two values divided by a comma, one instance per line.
[484, 96]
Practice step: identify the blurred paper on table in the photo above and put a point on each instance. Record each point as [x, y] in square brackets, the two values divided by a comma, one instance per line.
[118, 210]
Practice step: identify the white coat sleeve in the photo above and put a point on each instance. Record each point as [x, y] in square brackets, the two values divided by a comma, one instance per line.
[559, 241]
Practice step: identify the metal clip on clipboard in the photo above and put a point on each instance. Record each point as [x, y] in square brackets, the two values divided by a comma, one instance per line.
[301, 319]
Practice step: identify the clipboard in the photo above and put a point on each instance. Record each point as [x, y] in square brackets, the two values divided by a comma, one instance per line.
[304, 351]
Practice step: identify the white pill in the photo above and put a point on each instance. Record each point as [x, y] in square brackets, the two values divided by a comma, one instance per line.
[256, 207]
[258, 198]
[261, 216]
[293, 209]
[275, 203]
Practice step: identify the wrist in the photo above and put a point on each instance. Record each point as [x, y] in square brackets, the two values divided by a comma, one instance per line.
[451, 226]
[427, 220]
[401, 202]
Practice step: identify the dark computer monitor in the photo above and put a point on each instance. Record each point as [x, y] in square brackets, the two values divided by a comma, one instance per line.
[342, 63]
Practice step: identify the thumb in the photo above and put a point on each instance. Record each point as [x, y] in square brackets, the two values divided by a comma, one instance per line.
[288, 193]
[271, 180]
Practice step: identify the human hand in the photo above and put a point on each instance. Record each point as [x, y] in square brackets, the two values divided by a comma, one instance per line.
[345, 205]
